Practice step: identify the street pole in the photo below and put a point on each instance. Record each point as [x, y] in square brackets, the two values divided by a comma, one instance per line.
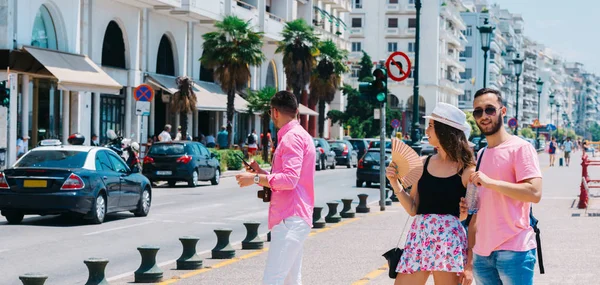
[415, 131]
[537, 128]
[517, 113]
[382, 164]
[485, 61]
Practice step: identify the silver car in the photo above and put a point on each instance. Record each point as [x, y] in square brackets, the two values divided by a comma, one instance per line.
[426, 148]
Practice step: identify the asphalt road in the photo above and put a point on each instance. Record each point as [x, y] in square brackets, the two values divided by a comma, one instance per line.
[57, 246]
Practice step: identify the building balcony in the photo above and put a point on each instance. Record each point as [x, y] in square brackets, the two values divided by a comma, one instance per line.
[392, 31]
[357, 32]
[529, 65]
[453, 61]
[392, 8]
[451, 13]
[247, 12]
[161, 4]
[451, 87]
[330, 2]
[273, 27]
[341, 5]
[201, 10]
[451, 38]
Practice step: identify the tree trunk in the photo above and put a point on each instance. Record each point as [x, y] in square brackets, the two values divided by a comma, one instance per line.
[312, 121]
[230, 112]
[184, 121]
[304, 118]
[265, 140]
[321, 118]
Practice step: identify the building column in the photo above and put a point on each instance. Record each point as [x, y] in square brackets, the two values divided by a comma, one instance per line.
[24, 105]
[66, 115]
[195, 125]
[35, 113]
[11, 151]
[190, 124]
[151, 117]
[96, 114]
[128, 110]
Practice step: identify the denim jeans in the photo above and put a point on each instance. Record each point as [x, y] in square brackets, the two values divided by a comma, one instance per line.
[504, 267]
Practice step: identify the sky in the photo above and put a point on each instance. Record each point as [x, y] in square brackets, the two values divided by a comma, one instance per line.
[567, 27]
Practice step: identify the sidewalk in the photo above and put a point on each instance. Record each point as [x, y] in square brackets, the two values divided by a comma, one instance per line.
[350, 252]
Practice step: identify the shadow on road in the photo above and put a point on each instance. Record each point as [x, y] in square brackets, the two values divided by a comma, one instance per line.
[66, 220]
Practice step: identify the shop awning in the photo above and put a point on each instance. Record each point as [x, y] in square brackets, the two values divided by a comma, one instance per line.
[303, 110]
[164, 82]
[74, 72]
[210, 97]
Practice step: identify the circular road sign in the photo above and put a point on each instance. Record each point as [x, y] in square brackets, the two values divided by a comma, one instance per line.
[550, 127]
[144, 93]
[512, 123]
[398, 66]
[395, 123]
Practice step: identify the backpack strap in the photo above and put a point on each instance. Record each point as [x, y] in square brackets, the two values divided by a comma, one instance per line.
[538, 240]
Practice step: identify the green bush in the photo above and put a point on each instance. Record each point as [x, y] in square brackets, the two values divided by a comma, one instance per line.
[234, 162]
[220, 156]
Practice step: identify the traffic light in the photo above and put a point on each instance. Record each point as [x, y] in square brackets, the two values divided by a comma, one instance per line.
[4, 94]
[377, 89]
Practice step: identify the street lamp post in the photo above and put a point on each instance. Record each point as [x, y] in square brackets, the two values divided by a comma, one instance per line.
[551, 104]
[486, 38]
[540, 86]
[518, 61]
[415, 131]
[557, 112]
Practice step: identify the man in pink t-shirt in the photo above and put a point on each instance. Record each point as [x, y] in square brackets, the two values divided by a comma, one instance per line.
[509, 180]
[292, 180]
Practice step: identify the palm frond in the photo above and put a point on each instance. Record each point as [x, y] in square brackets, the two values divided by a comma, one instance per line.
[259, 101]
[184, 100]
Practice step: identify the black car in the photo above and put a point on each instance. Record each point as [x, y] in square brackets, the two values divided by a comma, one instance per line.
[377, 143]
[369, 166]
[360, 145]
[325, 156]
[185, 161]
[344, 153]
[89, 181]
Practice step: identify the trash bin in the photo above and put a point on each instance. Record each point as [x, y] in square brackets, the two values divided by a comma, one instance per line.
[2, 157]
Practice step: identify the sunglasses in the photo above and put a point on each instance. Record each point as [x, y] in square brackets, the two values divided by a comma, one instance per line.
[490, 111]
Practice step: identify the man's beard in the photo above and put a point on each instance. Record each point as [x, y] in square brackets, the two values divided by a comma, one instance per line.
[495, 126]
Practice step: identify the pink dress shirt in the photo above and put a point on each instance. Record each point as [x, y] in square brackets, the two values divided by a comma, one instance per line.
[292, 175]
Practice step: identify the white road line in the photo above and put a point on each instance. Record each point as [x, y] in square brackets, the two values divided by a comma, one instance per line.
[117, 228]
[210, 223]
[163, 204]
[4, 250]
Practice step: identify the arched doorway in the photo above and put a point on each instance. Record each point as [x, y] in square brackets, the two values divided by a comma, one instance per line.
[206, 74]
[272, 75]
[165, 64]
[44, 32]
[409, 114]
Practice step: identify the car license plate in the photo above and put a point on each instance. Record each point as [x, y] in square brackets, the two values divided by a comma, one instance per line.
[376, 167]
[164, 173]
[35, 183]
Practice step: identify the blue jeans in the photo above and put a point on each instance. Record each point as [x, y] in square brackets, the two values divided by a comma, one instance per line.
[504, 267]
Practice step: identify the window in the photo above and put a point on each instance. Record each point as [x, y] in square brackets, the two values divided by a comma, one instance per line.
[167, 149]
[411, 47]
[466, 96]
[102, 162]
[393, 1]
[357, 4]
[412, 70]
[392, 47]
[203, 150]
[117, 162]
[467, 74]
[469, 31]
[392, 22]
[357, 22]
[412, 2]
[356, 46]
[44, 33]
[53, 159]
[412, 23]
[468, 52]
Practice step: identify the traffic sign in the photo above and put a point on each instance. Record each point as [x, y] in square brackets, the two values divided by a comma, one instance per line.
[550, 127]
[398, 66]
[142, 108]
[512, 123]
[395, 123]
[144, 93]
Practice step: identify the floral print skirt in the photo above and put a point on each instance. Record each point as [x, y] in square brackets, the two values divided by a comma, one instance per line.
[434, 243]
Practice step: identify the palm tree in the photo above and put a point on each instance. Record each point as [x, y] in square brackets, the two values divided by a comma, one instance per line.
[299, 48]
[260, 102]
[230, 51]
[326, 78]
[183, 101]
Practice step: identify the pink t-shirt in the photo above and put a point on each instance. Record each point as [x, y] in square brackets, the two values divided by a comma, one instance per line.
[503, 222]
[292, 177]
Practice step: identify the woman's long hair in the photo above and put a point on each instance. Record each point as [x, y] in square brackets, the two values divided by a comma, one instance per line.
[455, 144]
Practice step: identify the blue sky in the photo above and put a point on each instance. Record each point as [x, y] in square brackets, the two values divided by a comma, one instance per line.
[567, 27]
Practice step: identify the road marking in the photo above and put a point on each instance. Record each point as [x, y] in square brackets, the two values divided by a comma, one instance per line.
[4, 250]
[118, 228]
[163, 204]
[372, 275]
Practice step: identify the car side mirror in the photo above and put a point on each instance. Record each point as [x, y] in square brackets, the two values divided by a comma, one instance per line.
[212, 155]
[135, 170]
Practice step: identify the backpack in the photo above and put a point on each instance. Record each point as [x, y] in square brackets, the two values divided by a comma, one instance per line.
[251, 139]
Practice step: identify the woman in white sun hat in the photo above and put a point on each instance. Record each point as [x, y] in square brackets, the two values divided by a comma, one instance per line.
[437, 242]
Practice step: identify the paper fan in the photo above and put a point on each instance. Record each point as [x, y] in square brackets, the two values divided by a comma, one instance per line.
[410, 165]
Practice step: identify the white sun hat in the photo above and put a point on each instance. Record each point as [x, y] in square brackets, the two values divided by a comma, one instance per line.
[452, 116]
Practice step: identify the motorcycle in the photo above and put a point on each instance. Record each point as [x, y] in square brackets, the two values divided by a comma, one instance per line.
[133, 160]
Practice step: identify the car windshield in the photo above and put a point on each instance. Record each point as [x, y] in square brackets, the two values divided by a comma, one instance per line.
[358, 145]
[374, 156]
[53, 159]
[167, 149]
[376, 144]
[337, 145]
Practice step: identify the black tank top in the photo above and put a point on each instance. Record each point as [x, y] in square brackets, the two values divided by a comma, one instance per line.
[440, 195]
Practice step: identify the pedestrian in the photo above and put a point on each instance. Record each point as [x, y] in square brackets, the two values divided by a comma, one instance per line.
[252, 142]
[437, 242]
[95, 141]
[509, 180]
[178, 136]
[165, 136]
[223, 138]
[292, 181]
[567, 148]
[210, 141]
[22, 145]
[552, 150]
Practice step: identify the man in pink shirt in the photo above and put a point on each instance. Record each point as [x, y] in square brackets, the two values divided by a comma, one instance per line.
[292, 183]
[509, 180]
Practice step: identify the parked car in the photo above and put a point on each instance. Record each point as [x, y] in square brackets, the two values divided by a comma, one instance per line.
[475, 142]
[426, 148]
[345, 154]
[185, 161]
[369, 166]
[377, 143]
[360, 145]
[325, 156]
[89, 181]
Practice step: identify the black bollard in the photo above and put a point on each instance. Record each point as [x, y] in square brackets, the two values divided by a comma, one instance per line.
[189, 259]
[388, 201]
[269, 236]
[33, 278]
[394, 198]
[333, 216]
[148, 272]
[223, 249]
[96, 267]
[252, 240]
[347, 210]
[318, 221]
[362, 204]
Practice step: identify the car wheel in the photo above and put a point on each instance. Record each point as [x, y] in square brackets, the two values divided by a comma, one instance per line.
[217, 178]
[359, 183]
[14, 218]
[349, 165]
[172, 183]
[333, 164]
[99, 209]
[193, 182]
[323, 166]
[143, 207]
[368, 184]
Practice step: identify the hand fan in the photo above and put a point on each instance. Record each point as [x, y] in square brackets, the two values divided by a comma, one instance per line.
[408, 162]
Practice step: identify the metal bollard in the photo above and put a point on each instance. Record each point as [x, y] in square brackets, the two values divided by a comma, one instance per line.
[333, 216]
[269, 236]
[223, 249]
[189, 259]
[252, 240]
[148, 272]
[96, 267]
[362, 204]
[318, 221]
[394, 198]
[347, 210]
[388, 201]
[33, 278]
